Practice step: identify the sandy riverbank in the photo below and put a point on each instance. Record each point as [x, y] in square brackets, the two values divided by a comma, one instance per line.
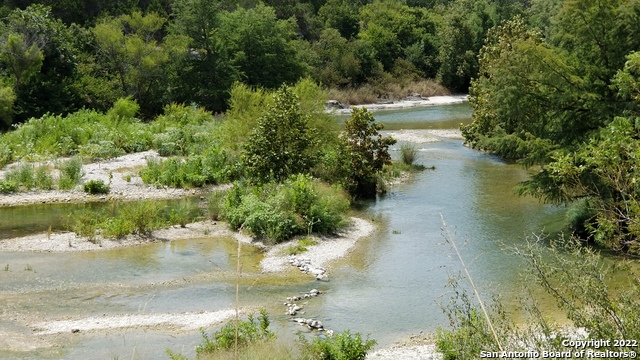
[405, 104]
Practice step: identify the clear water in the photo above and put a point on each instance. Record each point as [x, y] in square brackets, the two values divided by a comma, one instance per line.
[389, 287]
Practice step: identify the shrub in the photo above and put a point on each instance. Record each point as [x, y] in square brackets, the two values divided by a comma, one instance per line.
[408, 153]
[8, 186]
[216, 203]
[249, 331]
[123, 109]
[103, 149]
[96, 187]
[143, 217]
[84, 223]
[366, 152]
[280, 211]
[195, 171]
[116, 227]
[344, 346]
[23, 175]
[184, 213]
[6, 155]
[70, 173]
[43, 179]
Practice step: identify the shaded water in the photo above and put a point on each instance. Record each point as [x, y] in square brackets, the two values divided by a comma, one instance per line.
[389, 287]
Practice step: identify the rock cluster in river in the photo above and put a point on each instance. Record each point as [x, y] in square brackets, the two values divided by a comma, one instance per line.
[292, 307]
[304, 264]
[311, 324]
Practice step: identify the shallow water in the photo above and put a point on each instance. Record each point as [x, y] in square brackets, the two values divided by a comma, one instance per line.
[390, 287]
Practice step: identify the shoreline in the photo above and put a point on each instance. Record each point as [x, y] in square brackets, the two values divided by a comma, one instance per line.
[405, 104]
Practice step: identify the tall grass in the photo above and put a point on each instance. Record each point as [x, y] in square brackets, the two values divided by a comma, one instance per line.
[122, 219]
[408, 153]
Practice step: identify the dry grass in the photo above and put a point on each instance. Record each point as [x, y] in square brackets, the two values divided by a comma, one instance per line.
[369, 94]
[268, 350]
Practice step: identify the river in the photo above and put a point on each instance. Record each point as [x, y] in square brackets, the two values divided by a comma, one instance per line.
[390, 287]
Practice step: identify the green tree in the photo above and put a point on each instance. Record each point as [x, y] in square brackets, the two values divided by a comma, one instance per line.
[263, 48]
[206, 74]
[129, 50]
[282, 144]
[341, 15]
[391, 27]
[7, 98]
[365, 151]
[43, 58]
[22, 60]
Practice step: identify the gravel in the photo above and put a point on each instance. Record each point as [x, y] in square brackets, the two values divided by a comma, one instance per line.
[115, 172]
[326, 250]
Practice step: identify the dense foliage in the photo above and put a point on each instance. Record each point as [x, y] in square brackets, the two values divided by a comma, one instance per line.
[58, 57]
[276, 212]
[578, 280]
[558, 88]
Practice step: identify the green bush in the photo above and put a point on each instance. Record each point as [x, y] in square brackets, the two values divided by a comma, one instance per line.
[84, 222]
[344, 346]
[6, 154]
[123, 109]
[8, 186]
[277, 212]
[120, 220]
[103, 149]
[184, 213]
[195, 171]
[249, 331]
[116, 227]
[96, 187]
[43, 178]
[143, 216]
[215, 204]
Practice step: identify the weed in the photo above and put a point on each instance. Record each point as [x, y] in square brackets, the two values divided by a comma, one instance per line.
[49, 233]
[300, 247]
[215, 204]
[28, 268]
[43, 179]
[396, 232]
[339, 346]
[84, 223]
[249, 331]
[6, 267]
[96, 187]
[183, 214]
[8, 186]
[22, 174]
[70, 173]
[143, 217]
[408, 153]
[127, 178]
